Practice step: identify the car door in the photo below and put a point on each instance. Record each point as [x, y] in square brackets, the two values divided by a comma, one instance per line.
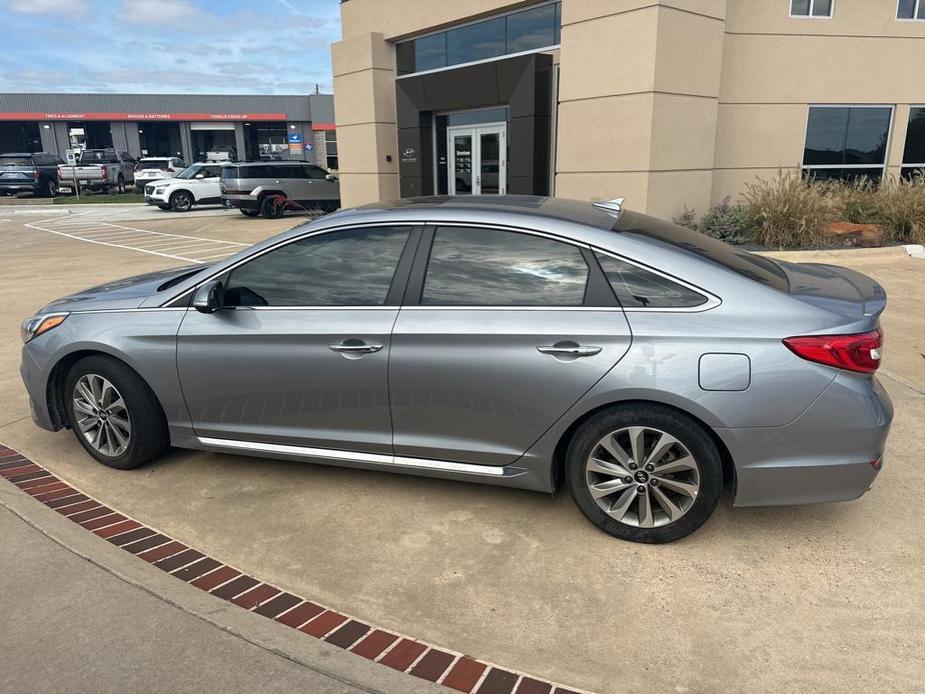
[500, 334]
[208, 188]
[299, 353]
[319, 188]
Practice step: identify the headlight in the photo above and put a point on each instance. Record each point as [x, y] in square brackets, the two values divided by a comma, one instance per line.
[35, 326]
[160, 190]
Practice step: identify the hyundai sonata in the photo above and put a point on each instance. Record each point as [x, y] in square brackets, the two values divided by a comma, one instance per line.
[516, 341]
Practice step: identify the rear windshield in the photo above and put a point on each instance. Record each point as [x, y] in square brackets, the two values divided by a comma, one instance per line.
[15, 161]
[98, 156]
[153, 164]
[755, 267]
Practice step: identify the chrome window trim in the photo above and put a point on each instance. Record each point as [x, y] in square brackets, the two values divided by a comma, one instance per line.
[280, 244]
[712, 301]
[358, 457]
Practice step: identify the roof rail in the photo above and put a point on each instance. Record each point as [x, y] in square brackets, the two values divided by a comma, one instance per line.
[615, 205]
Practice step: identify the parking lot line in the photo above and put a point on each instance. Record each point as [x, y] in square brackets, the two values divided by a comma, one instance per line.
[195, 249]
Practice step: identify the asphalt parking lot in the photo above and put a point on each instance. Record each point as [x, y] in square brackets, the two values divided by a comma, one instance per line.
[817, 598]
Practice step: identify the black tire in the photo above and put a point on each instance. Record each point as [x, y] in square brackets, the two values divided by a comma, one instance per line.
[181, 201]
[120, 185]
[687, 431]
[149, 437]
[51, 188]
[249, 213]
[271, 207]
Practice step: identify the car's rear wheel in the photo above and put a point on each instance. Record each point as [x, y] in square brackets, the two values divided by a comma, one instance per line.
[272, 206]
[181, 201]
[249, 213]
[113, 413]
[644, 473]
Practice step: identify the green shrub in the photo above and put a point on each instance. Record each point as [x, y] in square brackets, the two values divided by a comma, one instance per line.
[788, 211]
[727, 222]
[687, 218]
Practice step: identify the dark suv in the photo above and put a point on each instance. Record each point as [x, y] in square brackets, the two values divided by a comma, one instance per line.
[35, 173]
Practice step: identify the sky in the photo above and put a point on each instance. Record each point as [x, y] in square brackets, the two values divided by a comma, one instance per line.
[168, 46]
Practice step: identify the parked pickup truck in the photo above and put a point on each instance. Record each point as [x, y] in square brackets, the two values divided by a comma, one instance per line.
[99, 169]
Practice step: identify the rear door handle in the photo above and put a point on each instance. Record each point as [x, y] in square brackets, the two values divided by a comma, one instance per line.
[569, 351]
[355, 349]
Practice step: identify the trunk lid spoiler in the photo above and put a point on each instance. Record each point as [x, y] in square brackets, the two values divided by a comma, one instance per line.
[836, 289]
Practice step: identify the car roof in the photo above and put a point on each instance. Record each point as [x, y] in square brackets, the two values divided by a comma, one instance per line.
[538, 208]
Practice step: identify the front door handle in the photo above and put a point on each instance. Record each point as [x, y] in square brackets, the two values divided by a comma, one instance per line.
[569, 350]
[355, 348]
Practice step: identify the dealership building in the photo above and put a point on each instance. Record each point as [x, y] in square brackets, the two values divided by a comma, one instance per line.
[186, 126]
[664, 102]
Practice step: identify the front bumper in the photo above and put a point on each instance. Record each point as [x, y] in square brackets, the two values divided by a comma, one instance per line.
[825, 454]
[36, 381]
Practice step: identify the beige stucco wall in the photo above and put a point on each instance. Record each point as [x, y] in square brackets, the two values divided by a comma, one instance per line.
[666, 102]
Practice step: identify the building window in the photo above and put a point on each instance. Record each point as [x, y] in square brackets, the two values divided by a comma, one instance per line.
[330, 149]
[914, 154]
[910, 9]
[532, 29]
[847, 142]
[814, 9]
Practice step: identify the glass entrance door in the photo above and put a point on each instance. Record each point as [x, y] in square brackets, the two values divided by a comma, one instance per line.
[477, 162]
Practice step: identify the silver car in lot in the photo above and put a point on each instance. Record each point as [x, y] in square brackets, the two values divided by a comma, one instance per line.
[269, 188]
[516, 341]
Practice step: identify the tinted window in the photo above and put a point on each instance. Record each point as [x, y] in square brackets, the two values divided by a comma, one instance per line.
[531, 29]
[483, 267]
[755, 267]
[906, 10]
[475, 41]
[636, 287]
[290, 172]
[915, 138]
[312, 171]
[430, 52]
[846, 135]
[343, 268]
[98, 156]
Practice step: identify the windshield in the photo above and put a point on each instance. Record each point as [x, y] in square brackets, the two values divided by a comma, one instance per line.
[15, 161]
[189, 171]
[97, 156]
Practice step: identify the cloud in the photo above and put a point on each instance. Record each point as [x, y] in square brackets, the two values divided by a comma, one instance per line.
[160, 12]
[74, 8]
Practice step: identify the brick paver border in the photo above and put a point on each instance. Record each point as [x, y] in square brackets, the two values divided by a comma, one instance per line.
[403, 653]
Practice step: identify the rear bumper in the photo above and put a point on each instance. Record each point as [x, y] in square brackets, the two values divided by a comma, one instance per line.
[825, 454]
[240, 203]
[19, 187]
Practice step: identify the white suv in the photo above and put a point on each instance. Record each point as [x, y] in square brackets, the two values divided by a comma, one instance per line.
[151, 169]
[196, 185]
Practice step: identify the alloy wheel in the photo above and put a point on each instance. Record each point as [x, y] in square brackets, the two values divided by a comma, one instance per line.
[101, 415]
[642, 477]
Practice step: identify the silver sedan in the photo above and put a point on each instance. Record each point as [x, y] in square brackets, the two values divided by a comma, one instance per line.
[515, 341]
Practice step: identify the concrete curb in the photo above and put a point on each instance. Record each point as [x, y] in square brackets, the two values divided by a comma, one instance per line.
[884, 253]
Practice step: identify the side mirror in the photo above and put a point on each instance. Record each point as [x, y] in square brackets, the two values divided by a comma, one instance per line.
[330, 177]
[208, 298]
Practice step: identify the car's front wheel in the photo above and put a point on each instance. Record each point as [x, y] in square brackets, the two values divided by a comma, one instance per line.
[114, 413]
[181, 201]
[644, 473]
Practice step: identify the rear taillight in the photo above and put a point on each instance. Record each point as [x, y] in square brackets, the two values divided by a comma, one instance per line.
[35, 173]
[171, 170]
[860, 352]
